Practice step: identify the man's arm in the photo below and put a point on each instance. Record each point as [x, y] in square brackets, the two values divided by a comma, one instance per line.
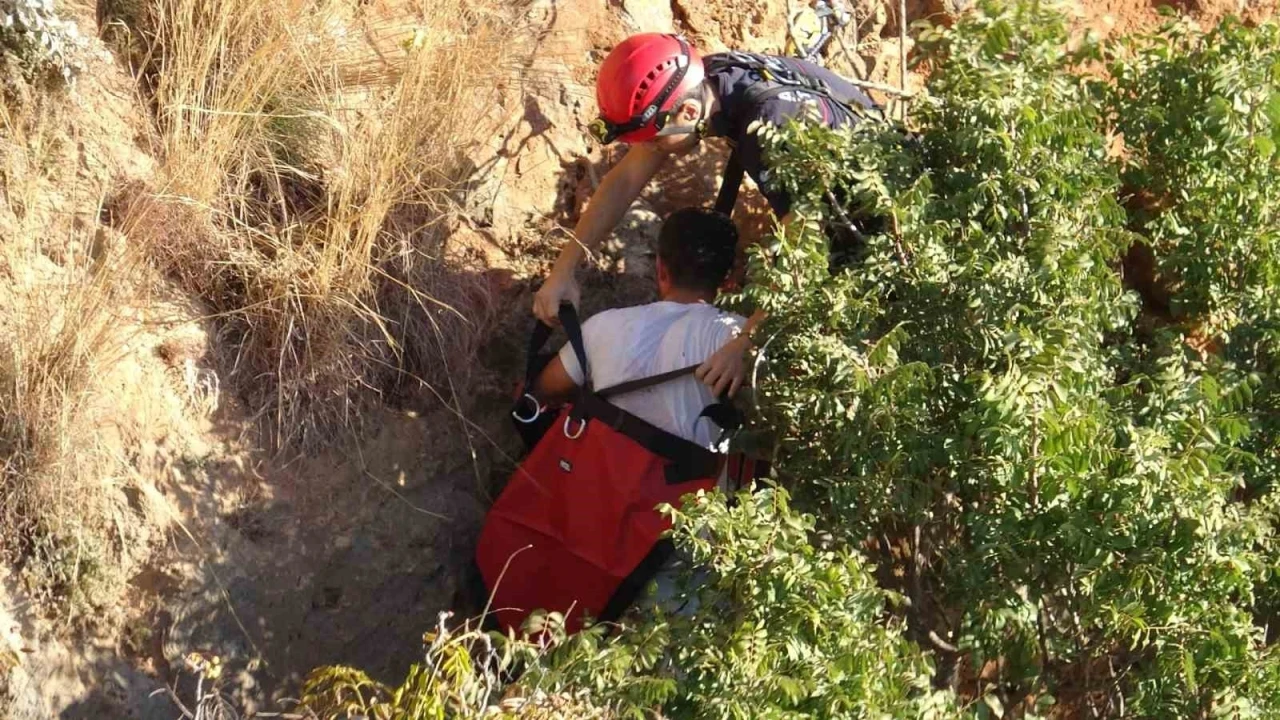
[554, 385]
[619, 188]
[726, 369]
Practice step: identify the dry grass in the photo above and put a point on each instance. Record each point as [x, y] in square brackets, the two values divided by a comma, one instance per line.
[59, 332]
[307, 181]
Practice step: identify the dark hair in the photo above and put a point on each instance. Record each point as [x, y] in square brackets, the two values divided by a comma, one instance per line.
[697, 246]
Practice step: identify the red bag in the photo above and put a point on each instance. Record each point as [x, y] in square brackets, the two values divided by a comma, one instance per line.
[576, 530]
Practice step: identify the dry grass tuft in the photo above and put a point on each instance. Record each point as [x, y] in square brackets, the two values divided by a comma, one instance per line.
[59, 332]
[307, 181]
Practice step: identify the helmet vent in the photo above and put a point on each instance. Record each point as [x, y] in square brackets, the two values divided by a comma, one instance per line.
[648, 81]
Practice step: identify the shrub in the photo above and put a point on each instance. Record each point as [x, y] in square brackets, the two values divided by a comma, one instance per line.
[65, 523]
[1063, 490]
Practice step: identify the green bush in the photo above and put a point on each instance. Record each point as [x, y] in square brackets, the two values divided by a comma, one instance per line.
[1064, 486]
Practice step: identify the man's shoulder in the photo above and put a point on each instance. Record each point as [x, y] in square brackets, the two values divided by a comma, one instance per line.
[624, 317]
[712, 317]
[614, 320]
[609, 317]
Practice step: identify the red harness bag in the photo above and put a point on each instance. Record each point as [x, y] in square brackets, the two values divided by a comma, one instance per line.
[576, 529]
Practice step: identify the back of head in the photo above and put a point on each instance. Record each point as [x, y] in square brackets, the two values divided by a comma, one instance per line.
[697, 247]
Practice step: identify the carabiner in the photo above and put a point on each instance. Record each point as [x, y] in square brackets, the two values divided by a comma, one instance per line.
[537, 410]
[582, 426]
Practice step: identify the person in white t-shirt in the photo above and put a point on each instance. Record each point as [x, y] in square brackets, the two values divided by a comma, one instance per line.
[695, 252]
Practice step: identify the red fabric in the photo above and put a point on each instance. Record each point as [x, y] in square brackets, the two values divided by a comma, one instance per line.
[574, 521]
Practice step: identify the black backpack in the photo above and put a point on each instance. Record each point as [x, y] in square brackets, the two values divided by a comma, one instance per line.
[775, 77]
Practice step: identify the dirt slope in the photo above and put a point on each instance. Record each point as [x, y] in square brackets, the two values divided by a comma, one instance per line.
[278, 564]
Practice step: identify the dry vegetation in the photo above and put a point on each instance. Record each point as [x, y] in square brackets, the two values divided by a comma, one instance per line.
[64, 519]
[309, 165]
[309, 162]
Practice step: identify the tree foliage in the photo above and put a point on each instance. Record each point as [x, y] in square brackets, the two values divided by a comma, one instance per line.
[1065, 487]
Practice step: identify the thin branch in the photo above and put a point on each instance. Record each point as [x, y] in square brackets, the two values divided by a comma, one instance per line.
[899, 246]
[844, 217]
[942, 645]
[1034, 475]
[854, 23]
[1041, 636]
[900, 92]
[902, 52]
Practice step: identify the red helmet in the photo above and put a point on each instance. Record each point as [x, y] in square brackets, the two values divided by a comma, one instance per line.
[640, 82]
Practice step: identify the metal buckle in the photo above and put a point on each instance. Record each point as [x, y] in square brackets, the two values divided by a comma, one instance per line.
[582, 426]
[537, 410]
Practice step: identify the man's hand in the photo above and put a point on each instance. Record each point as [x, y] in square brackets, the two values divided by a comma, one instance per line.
[727, 368]
[554, 292]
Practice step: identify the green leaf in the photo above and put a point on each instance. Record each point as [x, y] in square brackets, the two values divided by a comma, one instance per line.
[1189, 672]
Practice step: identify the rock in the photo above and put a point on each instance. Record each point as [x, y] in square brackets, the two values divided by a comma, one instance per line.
[633, 246]
[648, 15]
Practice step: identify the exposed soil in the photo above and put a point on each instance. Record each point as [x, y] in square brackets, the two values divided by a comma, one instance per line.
[279, 564]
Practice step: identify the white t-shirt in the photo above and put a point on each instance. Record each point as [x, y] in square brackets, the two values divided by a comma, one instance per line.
[635, 342]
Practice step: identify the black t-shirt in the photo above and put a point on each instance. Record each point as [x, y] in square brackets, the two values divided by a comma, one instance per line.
[737, 113]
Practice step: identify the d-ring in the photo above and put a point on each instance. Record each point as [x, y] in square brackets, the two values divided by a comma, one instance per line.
[582, 426]
[537, 410]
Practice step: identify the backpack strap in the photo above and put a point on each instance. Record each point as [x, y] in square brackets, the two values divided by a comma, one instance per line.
[538, 338]
[774, 78]
[730, 183]
[688, 460]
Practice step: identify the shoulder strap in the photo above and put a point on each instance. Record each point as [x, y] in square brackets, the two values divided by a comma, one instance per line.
[688, 460]
[572, 328]
[778, 76]
[539, 337]
[542, 333]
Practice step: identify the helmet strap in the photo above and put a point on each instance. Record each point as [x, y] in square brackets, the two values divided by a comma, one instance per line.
[699, 128]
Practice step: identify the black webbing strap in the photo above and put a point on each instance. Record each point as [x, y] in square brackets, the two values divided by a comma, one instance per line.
[542, 333]
[631, 587]
[689, 460]
[722, 413]
[539, 337]
[729, 185]
[646, 382]
[572, 328]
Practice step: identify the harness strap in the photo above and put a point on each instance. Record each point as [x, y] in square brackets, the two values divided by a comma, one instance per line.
[721, 412]
[572, 328]
[689, 460]
[693, 460]
[542, 333]
[539, 337]
[623, 388]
